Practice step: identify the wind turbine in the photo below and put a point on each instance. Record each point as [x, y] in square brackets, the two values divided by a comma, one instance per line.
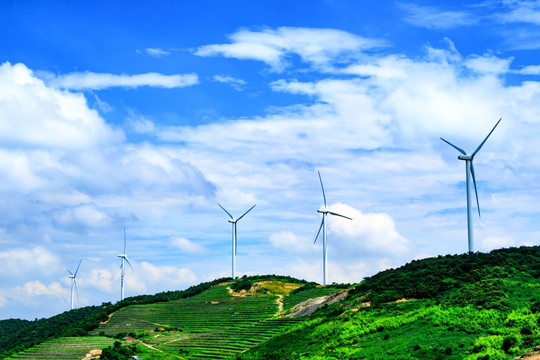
[122, 266]
[73, 277]
[233, 221]
[469, 171]
[324, 211]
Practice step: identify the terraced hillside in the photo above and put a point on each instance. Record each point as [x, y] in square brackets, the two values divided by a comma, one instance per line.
[214, 324]
[67, 348]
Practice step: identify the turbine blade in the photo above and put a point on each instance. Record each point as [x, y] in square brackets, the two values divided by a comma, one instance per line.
[482, 144]
[124, 239]
[320, 228]
[76, 271]
[322, 187]
[475, 190]
[455, 147]
[69, 272]
[129, 264]
[246, 212]
[235, 241]
[336, 214]
[228, 213]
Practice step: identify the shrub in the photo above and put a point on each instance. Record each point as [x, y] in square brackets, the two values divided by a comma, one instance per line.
[508, 342]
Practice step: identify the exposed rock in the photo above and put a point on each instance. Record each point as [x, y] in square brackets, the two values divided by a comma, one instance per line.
[308, 307]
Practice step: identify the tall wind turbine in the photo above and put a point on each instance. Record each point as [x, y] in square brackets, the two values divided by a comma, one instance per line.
[469, 171]
[122, 266]
[73, 277]
[233, 221]
[324, 211]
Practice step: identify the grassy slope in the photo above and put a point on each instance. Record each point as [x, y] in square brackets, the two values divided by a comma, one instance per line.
[65, 348]
[213, 323]
[483, 306]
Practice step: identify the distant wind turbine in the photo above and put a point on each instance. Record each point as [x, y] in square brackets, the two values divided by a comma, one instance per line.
[233, 221]
[324, 211]
[469, 171]
[122, 266]
[73, 277]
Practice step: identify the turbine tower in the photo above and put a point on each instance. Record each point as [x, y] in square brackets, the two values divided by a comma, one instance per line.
[469, 171]
[233, 221]
[324, 211]
[73, 277]
[122, 266]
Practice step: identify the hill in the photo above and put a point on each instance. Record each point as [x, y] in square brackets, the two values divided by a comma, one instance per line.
[478, 306]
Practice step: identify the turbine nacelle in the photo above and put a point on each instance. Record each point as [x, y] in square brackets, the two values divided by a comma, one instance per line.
[465, 157]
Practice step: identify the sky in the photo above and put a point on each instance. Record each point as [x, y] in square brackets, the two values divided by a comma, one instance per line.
[146, 115]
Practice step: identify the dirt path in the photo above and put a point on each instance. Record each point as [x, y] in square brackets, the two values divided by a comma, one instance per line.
[279, 301]
[161, 351]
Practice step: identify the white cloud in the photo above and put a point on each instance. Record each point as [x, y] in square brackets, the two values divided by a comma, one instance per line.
[290, 242]
[20, 262]
[83, 216]
[36, 288]
[186, 246]
[366, 233]
[433, 18]
[521, 12]
[157, 52]
[140, 124]
[65, 121]
[237, 84]
[99, 81]
[315, 46]
[529, 70]
[488, 64]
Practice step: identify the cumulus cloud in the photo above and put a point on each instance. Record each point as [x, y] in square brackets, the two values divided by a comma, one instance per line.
[373, 233]
[36, 288]
[82, 216]
[317, 47]
[58, 120]
[186, 246]
[99, 81]
[19, 262]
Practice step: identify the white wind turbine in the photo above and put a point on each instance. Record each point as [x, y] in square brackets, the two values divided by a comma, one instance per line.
[233, 221]
[324, 211]
[73, 277]
[122, 266]
[469, 171]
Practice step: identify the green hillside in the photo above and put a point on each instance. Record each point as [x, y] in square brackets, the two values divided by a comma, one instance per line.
[479, 306]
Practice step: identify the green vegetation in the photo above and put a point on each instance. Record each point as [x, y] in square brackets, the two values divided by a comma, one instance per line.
[118, 352]
[213, 324]
[479, 306]
[71, 348]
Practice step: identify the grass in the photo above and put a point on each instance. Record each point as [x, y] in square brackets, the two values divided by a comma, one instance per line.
[67, 348]
[213, 324]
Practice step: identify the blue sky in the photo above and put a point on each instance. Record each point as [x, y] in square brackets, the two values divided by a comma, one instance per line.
[147, 115]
